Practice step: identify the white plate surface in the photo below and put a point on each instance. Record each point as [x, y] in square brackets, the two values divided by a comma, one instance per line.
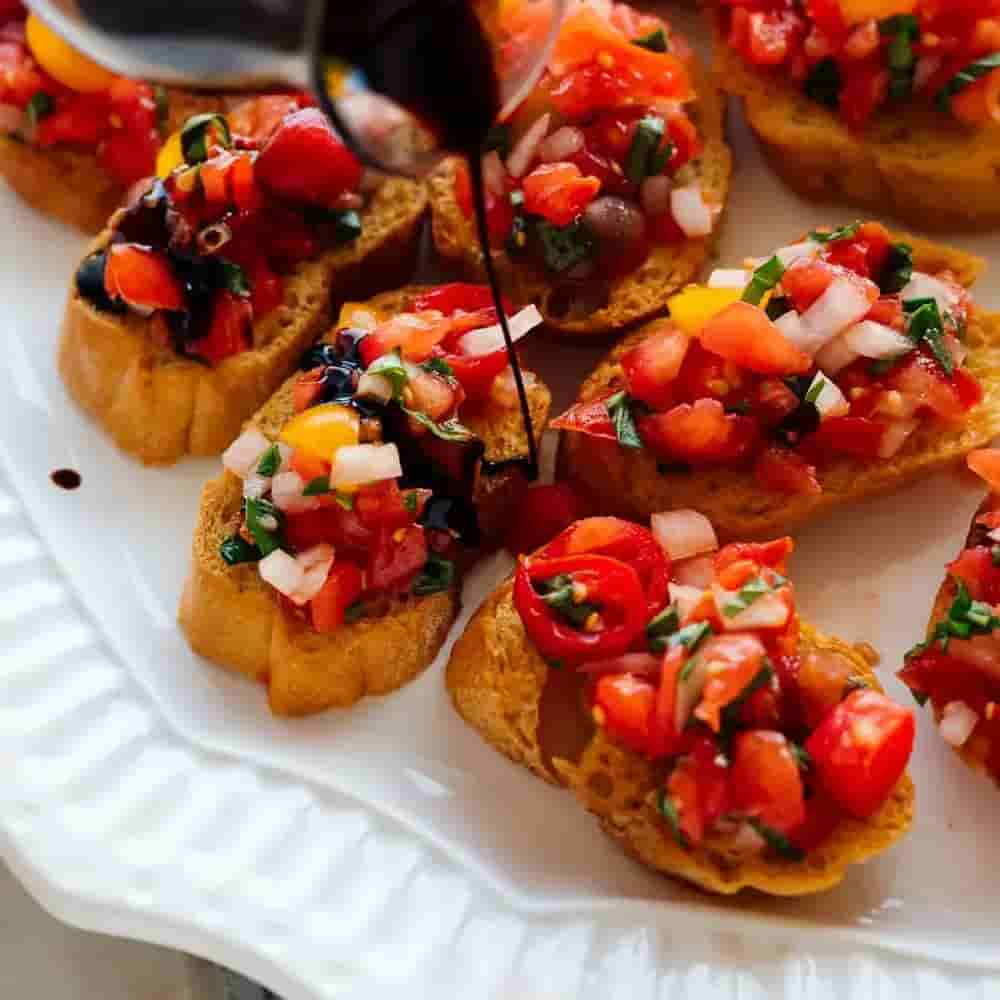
[149, 795]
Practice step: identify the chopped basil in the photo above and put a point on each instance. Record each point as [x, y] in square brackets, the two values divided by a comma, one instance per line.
[264, 522]
[40, 106]
[317, 487]
[439, 367]
[354, 612]
[236, 549]
[162, 100]
[346, 226]
[559, 594]
[661, 627]
[777, 841]
[438, 574]
[731, 713]
[563, 247]
[903, 30]
[965, 618]
[926, 325]
[747, 594]
[691, 636]
[966, 77]
[619, 408]
[655, 41]
[823, 83]
[920, 697]
[234, 278]
[195, 136]
[448, 430]
[801, 755]
[345, 500]
[390, 366]
[764, 279]
[410, 501]
[842, 233]
[777, 306]
[666, 808]
[498, 138]
[898, 268]
[269, 462]
[645, 158]
[816, 388]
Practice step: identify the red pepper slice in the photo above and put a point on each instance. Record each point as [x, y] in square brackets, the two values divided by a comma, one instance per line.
[612, 585]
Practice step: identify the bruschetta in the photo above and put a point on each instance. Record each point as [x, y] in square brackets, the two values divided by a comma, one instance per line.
[327, 556]
[606, 186]
[891, 104]
[196, 301]
[837, 367]
[957, 665]
[672, 687]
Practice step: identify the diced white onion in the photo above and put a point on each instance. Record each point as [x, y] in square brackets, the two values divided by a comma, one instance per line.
[490, 338]
[729, 278]
[994, 535]
[562, 144]
[281, 571]
[11, 118]
[895, 435]
[835, 356]
[788, 255]
[698, 571]
[374, 386]
[827, 397]
[957, 723]
[926, 286]
[244, 453]
[690, 211]
[654, 195]
[686, 598]
[689, 691]
[683, 533]
[503, 392]
[315, 564]
[875, 340]
[790, 325]
[365, 463]
[494, 174]
[767, 611]
[286, 492]
[524, 151]
[254, 486]
[843, 304]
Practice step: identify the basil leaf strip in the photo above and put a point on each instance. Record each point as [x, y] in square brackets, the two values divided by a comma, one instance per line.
[777, 841]
[746, 595]
[390, 366]
[259, 516]
[236, 549]
[666, 808]
[448, 430]
[645, 158]
[655, 41]
[965, 78]
[843, 233]
[926, 325]
[438, 574]
[269, 462]
[764, 279]
[965, 618]
[661, 627]
[194, 136]
[40, 106]
[234, 278]
[691, 636]
[898, 268]
[620, 410]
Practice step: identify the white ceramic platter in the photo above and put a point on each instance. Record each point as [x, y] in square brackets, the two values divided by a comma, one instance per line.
[149, 795]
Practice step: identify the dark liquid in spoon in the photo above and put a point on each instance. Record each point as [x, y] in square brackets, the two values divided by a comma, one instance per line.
[433, 58]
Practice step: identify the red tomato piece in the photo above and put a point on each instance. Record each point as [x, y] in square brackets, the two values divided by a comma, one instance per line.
[435, 395]
[922, 378]
[229, 330]
[663, 734]
[765, 781]
[861, 749]
[985, 463]
[459, 295]
[542, 513]
[858, 436]
[558, 192]
[805, 281]
[624, 706]
[382, 505]
[652, 366]
[823, 815]
[698, 788]
[415, 342]
[142, 277]
[865, 89]
[396, 559]
[735, 660]
[332, 525]
[697, 432]
[864, 253]
[744, 334]
[771, 554]
[974, 567]
[342, 588]
[77, 120]
[591, 418]
[785, 471]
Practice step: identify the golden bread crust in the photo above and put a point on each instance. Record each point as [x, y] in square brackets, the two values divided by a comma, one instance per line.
[497, 681]
[634, 297]
[159, 406]
[627, 482]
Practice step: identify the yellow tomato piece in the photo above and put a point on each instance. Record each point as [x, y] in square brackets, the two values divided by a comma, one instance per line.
[322, 430]
[62, 62]
[856, 11]
[692, 308]
[360, 316]
[170, 156]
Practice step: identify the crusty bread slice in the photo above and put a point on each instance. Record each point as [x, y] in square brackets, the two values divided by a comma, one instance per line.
[914, 162]
[71, 185]
[634, 297]
[501, 685]
[159, 406]
[232, 617]
[628, 482]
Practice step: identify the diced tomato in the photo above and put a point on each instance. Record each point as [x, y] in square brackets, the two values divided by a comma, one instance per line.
[382, 505]
[591, 418]
[769, 37]
[229, 330]
[243, 189]
[985, 463]
[823, 815]
[864, 253]
[332, 525]
[865, 89]
[435, 395]
[861, 749]
[684, 137]
[415, 335]
[698, 789]
[744, 334]
[943, 678]
[458, 295]
[823, 680]
[785, 471]
[652, 366]
[735, 660]
[764, 709]
[975, 568]
[765, 781]
[663, 734]
[476, 373]
[625, 706]
[77, 120]
[396, 558]
[558, 192]
[772, 554]
[543, 512]
[132, 140]
[888, 311]
[141, 277]
[805, 281]
[499, 212]
[922, 378]
[857, 436]
[698, 432]
[342, 588]
[970, 392]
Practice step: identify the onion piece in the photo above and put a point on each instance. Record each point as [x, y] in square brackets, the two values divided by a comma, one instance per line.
[926, 286]
[729, 278]
[895, 435]
[957, 723]
[562, 144]
[745, 840]
[686, 598]
[244, 453]
[698, 571]
[374, 386]
[875, 340]
[254, 486]
[281, 571]
[637, 664]
[527, 146]
[286, 492]
[835, 356]
[489, 339]
[690, 211]
[315, 564]
[797, 251]
[994, 535]
[355, 464]
[683, 533]
[791, 328]
[767, 611]
[826, 396]
[843, 304]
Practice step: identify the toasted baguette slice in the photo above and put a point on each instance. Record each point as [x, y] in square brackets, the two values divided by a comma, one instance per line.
[232, 617]
[914, 162]
[628, 482]
[71, 185]
[160, 406]
[632, 298]
[501, 685]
